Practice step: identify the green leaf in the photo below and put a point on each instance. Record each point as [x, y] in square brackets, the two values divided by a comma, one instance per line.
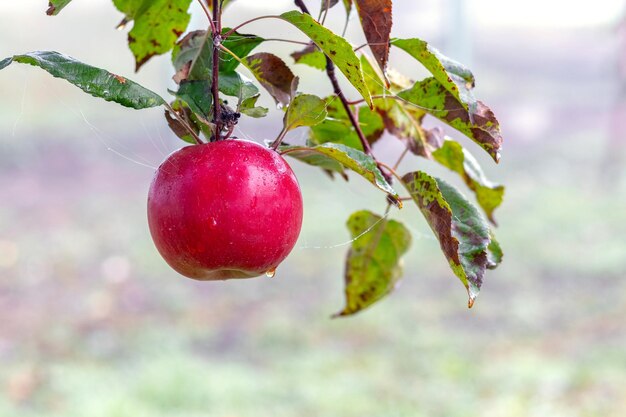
[55, 6]
[494, 253]
[453, 156]
[313, 158]
[193, 61]
[461, 230]
[431, 96]
[337, 127]
[371, 123]
[187, 51]
[373, 265]
[456, 78]
[157, 25]
[94, 81]
[196, 50]
[304, 110]
[236, 85]
[273, 74]
[249, 107]
[311, 56]
[6, 62]
[350, 158]
[335, 47]
[400, 119]
[197, 95]
[239, 43]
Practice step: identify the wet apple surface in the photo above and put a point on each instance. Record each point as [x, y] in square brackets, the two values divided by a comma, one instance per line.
[226, 209]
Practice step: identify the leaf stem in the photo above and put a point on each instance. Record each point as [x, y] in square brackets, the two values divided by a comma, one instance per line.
[233, 30]
[279, 139]
[402, 155]
[208, 15]
[394, 173]
[184, 123]
[330, 71]
[286, 40]
[325, 10]
[217, 41]
[234, 55]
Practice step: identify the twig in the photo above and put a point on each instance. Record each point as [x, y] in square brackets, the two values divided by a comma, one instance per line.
[208, 14]
[402, 155]
[330, 71]
[217, 41]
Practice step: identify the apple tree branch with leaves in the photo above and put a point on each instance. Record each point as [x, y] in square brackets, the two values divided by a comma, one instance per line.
[222, 208]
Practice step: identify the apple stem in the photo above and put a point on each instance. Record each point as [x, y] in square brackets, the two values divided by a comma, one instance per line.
[216, 26]
[279, 139]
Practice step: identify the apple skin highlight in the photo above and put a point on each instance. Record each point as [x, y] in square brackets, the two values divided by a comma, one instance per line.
[225, 209]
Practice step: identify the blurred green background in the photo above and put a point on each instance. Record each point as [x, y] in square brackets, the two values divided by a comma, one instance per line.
[93, 323]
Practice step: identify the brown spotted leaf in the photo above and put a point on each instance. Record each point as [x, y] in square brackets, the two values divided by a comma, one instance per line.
[462, 232]
[453, 156]
[157, 25]
[273, 74]
[376, 20]
[373, 265]
[401, 119]
[335, 47]
[55, 6]
[456, 78]
[348, 157]
[431, 96]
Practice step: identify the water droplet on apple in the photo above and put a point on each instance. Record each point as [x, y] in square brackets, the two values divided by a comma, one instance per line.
[270, 273]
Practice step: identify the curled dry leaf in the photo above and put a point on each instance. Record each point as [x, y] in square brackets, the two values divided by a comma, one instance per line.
[273, 74]
[376, 20]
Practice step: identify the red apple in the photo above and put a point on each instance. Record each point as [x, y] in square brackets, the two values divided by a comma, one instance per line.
[226, 209]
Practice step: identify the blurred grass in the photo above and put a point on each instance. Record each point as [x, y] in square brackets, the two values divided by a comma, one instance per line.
[94, 323]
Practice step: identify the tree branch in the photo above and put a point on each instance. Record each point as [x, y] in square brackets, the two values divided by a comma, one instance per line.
[217, 41]
[330, 71]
